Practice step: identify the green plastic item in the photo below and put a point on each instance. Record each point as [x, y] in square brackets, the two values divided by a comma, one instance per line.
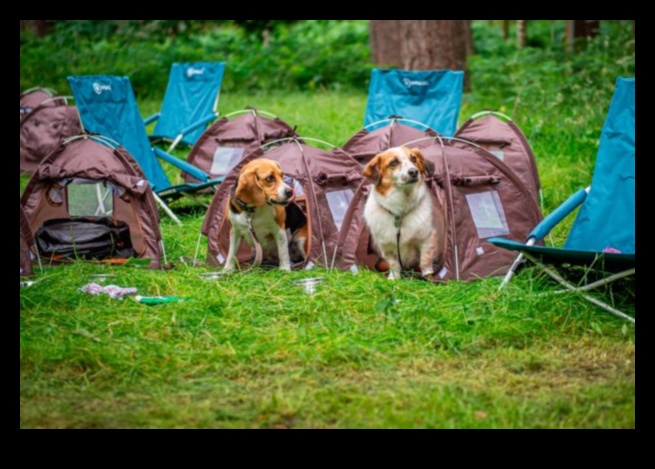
[158, 300]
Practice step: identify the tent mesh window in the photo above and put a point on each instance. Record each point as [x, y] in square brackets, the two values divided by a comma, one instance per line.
[89, 199]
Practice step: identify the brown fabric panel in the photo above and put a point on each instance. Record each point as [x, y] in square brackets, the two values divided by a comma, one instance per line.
[247, 131]
[35, 98]
[364, 145]
[26, 241]
[124, 211]
[494, 134]
[42, 130]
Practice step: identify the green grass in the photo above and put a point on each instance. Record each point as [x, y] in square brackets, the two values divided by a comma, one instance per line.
[252, 351]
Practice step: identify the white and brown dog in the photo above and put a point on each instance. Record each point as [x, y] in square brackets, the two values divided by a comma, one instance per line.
[257, 206]
[400, 211]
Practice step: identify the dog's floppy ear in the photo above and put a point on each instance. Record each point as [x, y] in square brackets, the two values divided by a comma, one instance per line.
[425, 166]
[249, 190]
[372, 170]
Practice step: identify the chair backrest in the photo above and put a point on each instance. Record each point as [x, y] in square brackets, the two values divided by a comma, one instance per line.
[107, 106]
[191, 95]
[432, 97]
[607, 217]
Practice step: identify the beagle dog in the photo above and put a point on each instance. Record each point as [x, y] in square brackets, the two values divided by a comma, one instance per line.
[257, 213]
[406, 222]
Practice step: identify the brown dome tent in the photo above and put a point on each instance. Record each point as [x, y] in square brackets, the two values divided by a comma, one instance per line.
[499, 135]
[367, 143]
[231, 138]
[26, 245]
[324, 182]
[43, 127]
[481, 198]
[89, 199]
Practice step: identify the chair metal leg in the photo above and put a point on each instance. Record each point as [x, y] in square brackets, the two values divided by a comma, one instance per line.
[166, 209]
[569, 286]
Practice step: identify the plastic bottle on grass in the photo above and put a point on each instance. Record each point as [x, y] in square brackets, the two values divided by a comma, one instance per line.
[158, 300]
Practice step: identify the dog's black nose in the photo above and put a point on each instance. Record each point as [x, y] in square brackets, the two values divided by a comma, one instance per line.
[288, 192]
[413, 172]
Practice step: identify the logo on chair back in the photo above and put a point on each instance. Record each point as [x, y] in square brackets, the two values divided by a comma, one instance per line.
[98, 88]
[194, 71]
[409, 83]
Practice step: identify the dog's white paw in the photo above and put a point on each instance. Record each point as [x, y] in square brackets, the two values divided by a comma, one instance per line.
[285, 268]
[427, 272]
[393, 276]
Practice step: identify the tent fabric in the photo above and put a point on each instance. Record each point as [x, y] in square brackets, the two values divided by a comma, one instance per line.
[88, 160]
[506, 141]
[324, 182]
[43, 128]
[191, 94]
[26, 244]
[481, 198]
[226, 142]
[108, 107]
[432, 97]
[34, 97]
[365, 144]
[607, 218]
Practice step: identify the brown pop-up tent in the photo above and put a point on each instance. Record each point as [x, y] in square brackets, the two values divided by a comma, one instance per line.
[499, 135]
[324, 182]
[224, 144]
[88, 199]
[45, 121]
[26, 244]
[396, 131]
[481, 198]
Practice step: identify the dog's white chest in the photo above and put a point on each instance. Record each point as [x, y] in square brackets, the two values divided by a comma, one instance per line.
[410, 214]
[262, 221]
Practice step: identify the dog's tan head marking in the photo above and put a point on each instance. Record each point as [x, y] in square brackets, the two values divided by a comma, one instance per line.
[261, 182]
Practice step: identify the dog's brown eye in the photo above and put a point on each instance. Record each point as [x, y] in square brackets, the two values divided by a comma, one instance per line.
[413, 159]
[270, 179]
[393, 163]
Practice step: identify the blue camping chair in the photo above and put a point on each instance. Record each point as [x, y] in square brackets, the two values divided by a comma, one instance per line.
[603, 234]
[432, 98]
[107, 107]
[190, 102]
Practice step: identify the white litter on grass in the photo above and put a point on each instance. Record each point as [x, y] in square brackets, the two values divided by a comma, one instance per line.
[115, 292]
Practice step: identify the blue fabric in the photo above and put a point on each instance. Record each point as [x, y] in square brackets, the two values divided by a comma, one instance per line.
[433, 97]
[107, 106]
[190, 96]
[607, 218]
[548, 223]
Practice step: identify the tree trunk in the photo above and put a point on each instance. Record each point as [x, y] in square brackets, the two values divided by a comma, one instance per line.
[586, 28]
[579, 30]
[505, 29]
[385, 42]
[470, 45]
[39, 27]
[521, 33]
[633, 29]
[434, 45]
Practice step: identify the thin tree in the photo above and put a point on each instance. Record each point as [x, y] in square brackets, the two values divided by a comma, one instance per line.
[521, 33]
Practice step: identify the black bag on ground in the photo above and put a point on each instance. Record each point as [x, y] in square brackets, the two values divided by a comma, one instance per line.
[86, 238]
